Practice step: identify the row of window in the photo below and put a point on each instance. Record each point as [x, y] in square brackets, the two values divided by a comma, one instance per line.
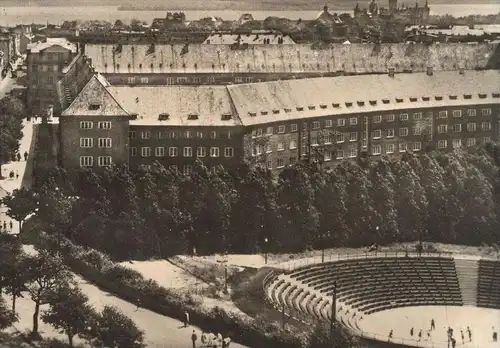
[184, 80]
[100, 125]
[89, 142]
[177, 134]
[47, 68]
[102, 161]
[417, 146]
[471, 127]
[186, 151]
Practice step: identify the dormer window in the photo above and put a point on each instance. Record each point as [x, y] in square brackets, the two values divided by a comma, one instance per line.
[323, 106]
[336, 105]
[226, 116]
[253, 114]
[373, 102]
[453, 97]
[300, 108]
[467, 96]
[495, 95]
[361, 103]
[288, 110]
[312, 107]
[413, 99]
[438, 98]
[348, 104]
[133, 116]
[193, 116]
[426, 98]
[140, 66]
[276, 111]
[482, 96]
[163, 116]
[94, 106]
[399, 100]
[263, 112]
[386, 101]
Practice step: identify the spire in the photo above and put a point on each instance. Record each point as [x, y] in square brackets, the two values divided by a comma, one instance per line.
[325, 8]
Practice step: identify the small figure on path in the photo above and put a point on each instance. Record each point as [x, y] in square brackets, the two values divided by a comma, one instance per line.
[194, 338]
[495, 335]
[186, 319]
[25, 155]
[462, 334]
[17, 174]
[428, 335]
[411, 332]
[137, 304]
[5, 225]
[11, 225]
[470, 334]
[420, 335]
[11, 174]
[390, 334]
[18, 157]
[433, 325]
[453, 342]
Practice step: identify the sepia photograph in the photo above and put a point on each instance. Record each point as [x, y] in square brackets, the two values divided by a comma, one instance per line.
[249, 174]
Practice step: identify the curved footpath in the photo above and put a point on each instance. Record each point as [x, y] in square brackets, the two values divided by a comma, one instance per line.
[160, 331]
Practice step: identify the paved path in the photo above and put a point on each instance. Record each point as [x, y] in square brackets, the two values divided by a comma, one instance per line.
[160, 331]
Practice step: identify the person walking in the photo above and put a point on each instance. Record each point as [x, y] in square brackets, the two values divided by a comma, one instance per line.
[186, 319]
[18, 157]
[17, 174]
[411, 332]
[469, 332]
[390, 334]
[11, 225]
[194, 338]
[137, 304]
[495, 335]
[420, 335]
[5, 226]
[462, 335]
[433, 324]
[25, 155]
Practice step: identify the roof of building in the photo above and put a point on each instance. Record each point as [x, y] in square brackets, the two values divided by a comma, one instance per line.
[49, 42]
[178, 105]
[268, 102]
[250, 39]
[95, 100]
[299, 58]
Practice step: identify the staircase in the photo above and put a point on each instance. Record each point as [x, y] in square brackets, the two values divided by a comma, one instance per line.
[467, 273]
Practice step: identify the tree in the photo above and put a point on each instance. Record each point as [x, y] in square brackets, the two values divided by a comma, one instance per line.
[69, 311]
[16, 277]
[6, 315]
[46, 273]
[10, 249]
[113, 329]
[21, 203]
[321, 337]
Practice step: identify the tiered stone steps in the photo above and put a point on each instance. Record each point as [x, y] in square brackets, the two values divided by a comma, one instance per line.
[467, 273]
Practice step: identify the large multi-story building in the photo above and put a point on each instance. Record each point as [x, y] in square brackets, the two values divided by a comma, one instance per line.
[281, 122]
[46, 61]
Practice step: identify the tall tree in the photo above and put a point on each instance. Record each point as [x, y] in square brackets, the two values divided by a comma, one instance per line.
[20, 204]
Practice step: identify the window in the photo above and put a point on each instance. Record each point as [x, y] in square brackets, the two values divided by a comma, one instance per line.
[105, 142]
[293, 127]
[315, 125]
[159, 151]
[417, 146]
[86, 161]
[471, 127]
[417, 116]
[353, 151]
[188, 151]
[145, 151]
[340, 154]
[377, 134]
[132, 151]
[269, 131]
[403, 117]
[377, 149]
[442, 128]
[144, 80]
[486, 112]
[442, 144]
[327, 156]
[50, 80]
[417, 130]
[389, 133]
[281, 129]
[486, 126]
[131, 80]
[328, 138]
[159, 135]
[353, 121]
[104, 125]
[353, 136]
[293, 160]
[269, 165]
[199, 135]
[389, 148]
[403, 132]
[173, 152]
[457, 143]
[104, 161]
[390, 118]
[280, 163]
[214, 152]
[328, 123]
[201, 152]
[187, 169]
[471, 141]
[293, 144]
[402, 147]
[86, 142]
[187, 134]
[377, 119]
[443, 114]
[340, 138]
[145, 134]
[486, 140]
[214, 134]
[170, 80]
[281, 146]
[341, 122]
[86, 125]
[457, 113]
[269, 148]
[228, 152]
[314, 140]
[471, 112]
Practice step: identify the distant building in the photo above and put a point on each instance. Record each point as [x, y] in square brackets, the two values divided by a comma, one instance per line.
[246, 17]
[249, 39]
[7, 52]
[171, 19]
[416, 15]
[46, 61]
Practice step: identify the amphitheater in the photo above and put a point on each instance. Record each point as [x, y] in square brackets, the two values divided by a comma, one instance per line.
[377, 293]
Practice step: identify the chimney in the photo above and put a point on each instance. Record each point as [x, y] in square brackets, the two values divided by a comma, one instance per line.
[430, 71]
[391, 72]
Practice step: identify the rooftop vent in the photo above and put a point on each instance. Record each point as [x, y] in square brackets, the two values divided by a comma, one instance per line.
[276, 111]
[253, 114]
[467, 96]
[386, 101]
[336, 105]
[426, 98]
[399, 100]
[453, 97]
[133, 116]
[94, 106]
[300, 108]
[438, 97]
[264, 112]
[348, 104]
[163, 116]
[323, 106]
[373, 102]
[226, 116]
[361, 103]
[413, 99]
[288, 110]
[193, 116]
[495, 95]
[482, 96]
[312, 107]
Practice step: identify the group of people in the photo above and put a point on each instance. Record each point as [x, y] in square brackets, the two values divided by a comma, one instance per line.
[209, 339]
[6, 227]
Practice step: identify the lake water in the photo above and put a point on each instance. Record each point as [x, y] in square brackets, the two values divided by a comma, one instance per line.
[56, 15]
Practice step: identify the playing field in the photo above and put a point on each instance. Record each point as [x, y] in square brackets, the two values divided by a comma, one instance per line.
[480, 320]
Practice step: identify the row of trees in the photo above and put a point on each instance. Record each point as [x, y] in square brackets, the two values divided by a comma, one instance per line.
[11, 113]
[440, 197]
[46, 281]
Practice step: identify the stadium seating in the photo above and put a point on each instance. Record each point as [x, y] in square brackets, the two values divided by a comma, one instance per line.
[488, 284]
